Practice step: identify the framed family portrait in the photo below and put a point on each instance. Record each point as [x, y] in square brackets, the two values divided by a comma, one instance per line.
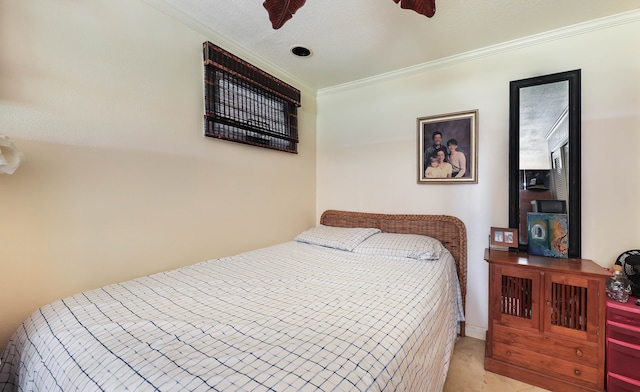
[448, 148]
[504, 237]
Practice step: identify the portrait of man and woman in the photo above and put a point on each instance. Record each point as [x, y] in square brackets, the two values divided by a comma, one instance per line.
[447, 145]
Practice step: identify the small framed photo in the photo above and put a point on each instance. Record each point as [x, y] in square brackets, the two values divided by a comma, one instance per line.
[448, 148]
[504, 237]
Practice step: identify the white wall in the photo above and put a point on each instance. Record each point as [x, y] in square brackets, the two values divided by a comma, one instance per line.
[105, 99]
[367, 141]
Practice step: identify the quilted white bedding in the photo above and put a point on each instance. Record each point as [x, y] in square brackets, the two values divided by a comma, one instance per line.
[291, 317]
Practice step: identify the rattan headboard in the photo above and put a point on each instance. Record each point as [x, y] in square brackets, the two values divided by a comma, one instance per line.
[448, 229]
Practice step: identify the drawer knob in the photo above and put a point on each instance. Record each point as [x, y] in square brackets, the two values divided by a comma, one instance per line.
[508, 353]
[578, 352]
[577, 372]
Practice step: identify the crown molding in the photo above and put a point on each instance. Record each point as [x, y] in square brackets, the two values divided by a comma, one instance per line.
[536, 39]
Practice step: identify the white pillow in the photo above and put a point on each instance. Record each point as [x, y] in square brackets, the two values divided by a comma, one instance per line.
[412, 246]
[344, 238]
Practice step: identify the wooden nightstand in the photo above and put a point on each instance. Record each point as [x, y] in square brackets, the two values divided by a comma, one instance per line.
[623, 346]
[546, 321]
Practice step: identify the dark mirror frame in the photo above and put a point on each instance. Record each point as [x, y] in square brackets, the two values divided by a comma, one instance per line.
[574, 115]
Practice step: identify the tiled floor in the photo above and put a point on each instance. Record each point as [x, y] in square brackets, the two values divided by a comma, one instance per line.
[467, 374]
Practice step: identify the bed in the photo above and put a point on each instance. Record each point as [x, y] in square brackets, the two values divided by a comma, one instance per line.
[361, 302]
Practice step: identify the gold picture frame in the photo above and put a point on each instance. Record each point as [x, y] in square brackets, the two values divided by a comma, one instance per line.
[438, 135]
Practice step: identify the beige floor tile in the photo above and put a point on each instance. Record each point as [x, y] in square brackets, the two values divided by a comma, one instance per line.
[467, 374]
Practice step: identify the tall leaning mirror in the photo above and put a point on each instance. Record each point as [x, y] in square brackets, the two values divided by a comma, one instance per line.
[544, 152]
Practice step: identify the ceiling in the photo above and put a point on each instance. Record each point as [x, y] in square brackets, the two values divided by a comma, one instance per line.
[356, 39]
[542, 108]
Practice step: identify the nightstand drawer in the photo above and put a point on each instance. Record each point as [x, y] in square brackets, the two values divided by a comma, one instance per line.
[577, 372]
[616, 383]
[578, 352]
[623, 359]
[623, 333]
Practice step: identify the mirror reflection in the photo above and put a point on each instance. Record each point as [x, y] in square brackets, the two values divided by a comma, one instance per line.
[544, 152]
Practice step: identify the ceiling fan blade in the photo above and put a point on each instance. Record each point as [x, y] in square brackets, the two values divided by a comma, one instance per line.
[424, 7]
[281, 11]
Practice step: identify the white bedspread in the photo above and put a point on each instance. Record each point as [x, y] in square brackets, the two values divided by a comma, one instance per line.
[291, 317]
